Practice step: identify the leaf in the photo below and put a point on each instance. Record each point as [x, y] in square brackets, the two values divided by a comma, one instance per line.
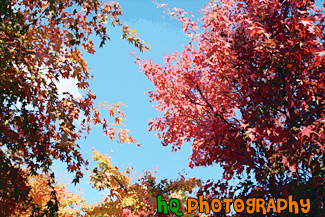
[306, 131]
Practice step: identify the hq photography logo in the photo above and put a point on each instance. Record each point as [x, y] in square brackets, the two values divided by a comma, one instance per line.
[251, 205]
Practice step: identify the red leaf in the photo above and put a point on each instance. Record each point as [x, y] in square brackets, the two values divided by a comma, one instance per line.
[306, 131]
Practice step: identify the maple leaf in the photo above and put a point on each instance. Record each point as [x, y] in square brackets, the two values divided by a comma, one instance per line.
[306, 131]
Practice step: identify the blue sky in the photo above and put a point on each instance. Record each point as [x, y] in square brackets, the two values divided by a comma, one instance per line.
[117, 78]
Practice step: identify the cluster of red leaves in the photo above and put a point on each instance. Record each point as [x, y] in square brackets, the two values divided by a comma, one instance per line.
[248, 93]
[41, 43]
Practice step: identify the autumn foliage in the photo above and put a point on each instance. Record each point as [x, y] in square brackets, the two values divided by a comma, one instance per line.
[248, 93]
[42, 43]
[126, 193]
[130, 196]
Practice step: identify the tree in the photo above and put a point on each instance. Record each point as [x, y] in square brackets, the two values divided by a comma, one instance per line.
[123, 199]
[248, 93]
[138, 198]
[41, 43]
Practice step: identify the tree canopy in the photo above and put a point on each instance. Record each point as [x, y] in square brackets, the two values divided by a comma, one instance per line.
[42, 43]
[248, 93]
[126, 195]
